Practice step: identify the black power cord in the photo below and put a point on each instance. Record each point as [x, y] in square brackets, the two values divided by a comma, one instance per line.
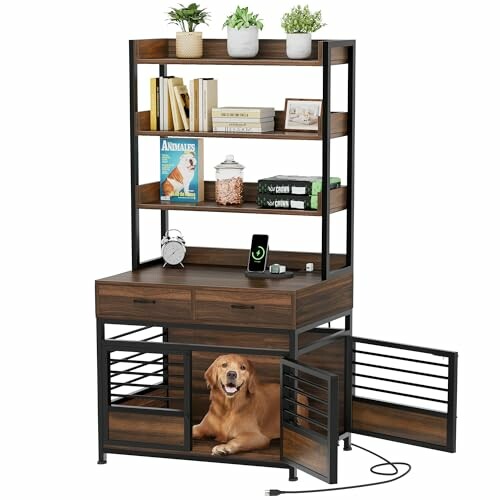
[275, 493]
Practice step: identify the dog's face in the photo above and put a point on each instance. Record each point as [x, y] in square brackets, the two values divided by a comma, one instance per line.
[187, 161]
[231, 374]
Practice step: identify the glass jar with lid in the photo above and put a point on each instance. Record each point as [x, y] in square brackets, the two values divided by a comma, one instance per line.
[229, 182]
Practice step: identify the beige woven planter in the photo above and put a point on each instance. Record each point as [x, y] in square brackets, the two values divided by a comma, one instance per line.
[189, 44]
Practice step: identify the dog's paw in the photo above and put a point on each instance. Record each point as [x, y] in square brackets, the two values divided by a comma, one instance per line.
[221, 450]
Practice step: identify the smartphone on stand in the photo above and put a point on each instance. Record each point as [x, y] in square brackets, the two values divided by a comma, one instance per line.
[257, 258]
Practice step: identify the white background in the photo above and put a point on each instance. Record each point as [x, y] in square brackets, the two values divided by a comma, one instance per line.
[426, 231]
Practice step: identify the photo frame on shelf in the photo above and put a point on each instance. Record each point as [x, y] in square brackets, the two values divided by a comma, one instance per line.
[303, 114]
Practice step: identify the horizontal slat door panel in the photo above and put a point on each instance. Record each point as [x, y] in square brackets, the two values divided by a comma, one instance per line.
[151, 303]
[404, 393]
[243, 308]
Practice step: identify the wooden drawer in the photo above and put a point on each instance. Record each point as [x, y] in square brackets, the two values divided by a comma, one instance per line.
[144, 303]
[243, 308]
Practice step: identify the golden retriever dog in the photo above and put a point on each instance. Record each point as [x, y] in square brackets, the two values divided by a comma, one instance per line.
[244, 413]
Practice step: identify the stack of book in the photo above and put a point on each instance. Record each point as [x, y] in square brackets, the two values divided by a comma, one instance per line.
[291, 192]
[243, 120]
[174, 107]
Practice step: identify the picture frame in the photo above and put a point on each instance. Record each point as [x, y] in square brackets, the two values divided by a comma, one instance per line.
[303, 114]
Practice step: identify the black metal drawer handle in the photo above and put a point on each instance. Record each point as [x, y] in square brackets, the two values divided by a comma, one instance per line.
[144, 301]
[241, 306]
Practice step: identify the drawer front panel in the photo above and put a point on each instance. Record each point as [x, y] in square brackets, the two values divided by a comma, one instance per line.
[243, 308]
[152, 303]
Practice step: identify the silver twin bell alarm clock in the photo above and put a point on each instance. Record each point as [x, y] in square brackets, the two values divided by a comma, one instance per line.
[173, 248]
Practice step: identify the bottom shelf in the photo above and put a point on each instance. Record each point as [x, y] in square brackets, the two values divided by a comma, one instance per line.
[202, 450]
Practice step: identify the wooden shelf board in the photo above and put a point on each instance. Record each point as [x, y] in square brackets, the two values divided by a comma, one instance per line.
[148, 197]
[338, 129]
[271, 53]
[231, 61]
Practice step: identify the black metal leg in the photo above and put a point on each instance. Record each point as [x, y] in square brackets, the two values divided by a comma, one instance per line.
[347, 443]
[292, 474]
[101, 389]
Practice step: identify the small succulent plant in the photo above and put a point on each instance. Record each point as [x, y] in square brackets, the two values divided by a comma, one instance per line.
[302, 20]
[243, 18]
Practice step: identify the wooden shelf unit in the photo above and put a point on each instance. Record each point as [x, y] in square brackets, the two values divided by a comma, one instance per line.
[210, 307]
[147, 196]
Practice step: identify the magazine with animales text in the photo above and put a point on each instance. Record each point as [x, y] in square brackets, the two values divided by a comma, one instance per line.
[181, 170]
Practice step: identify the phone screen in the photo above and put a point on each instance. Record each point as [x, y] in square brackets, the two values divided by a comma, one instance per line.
[257, 259]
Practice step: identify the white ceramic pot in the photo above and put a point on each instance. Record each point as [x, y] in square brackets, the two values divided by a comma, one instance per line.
[298, 45]
[243, 42]
[189, 44]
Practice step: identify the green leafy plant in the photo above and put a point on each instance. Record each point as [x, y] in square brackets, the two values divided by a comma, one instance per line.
[187, 18]
[302, 20]
[242, 18]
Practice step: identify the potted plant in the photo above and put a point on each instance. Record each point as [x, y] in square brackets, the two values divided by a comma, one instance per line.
[189, 44]
[298, 24]
[243, 33]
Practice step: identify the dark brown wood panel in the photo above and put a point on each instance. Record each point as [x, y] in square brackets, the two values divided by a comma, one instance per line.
[214, 276]
[271, 52]
[324, 299]
[330, 358]
[305, 451]
[239, 258]
[399, 422]
[338, 129]
[203, 449]
[151, 303]
[148, 197]
[157, 429]
[244, 308]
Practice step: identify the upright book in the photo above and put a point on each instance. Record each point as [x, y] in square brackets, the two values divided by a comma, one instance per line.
[181, 170]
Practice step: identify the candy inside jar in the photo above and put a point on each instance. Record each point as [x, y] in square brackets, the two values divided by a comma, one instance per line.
[229, 182]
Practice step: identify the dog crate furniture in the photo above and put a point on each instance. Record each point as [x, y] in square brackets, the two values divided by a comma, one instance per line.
[158, 329]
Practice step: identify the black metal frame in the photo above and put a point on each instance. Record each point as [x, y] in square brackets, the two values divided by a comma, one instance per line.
[327, 46]
[164, 347]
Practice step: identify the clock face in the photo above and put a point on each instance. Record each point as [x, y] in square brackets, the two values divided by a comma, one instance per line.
[173, 252]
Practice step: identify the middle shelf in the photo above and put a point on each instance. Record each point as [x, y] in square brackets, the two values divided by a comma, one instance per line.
[148, 196]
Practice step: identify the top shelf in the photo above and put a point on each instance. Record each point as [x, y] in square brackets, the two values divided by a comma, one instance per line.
[271, 53]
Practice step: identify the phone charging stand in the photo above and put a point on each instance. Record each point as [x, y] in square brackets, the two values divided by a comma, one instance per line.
[256, 275]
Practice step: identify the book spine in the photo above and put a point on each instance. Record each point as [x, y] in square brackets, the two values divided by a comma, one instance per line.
[157, 104]
[191, 106]
[243, 114]
[243, 129]
[200, 105]
[247, 124]
[152, 113]
[258, 121]
[162, 104]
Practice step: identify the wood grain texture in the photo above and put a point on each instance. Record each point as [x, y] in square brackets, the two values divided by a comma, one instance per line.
[151, 303]
[338, 129]
[239, 257]
[401, 422]
[157, 429]
[324, 299]
[196, 276]
[203, 449]
[305, 451]
[147, 196]
[243, 308]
